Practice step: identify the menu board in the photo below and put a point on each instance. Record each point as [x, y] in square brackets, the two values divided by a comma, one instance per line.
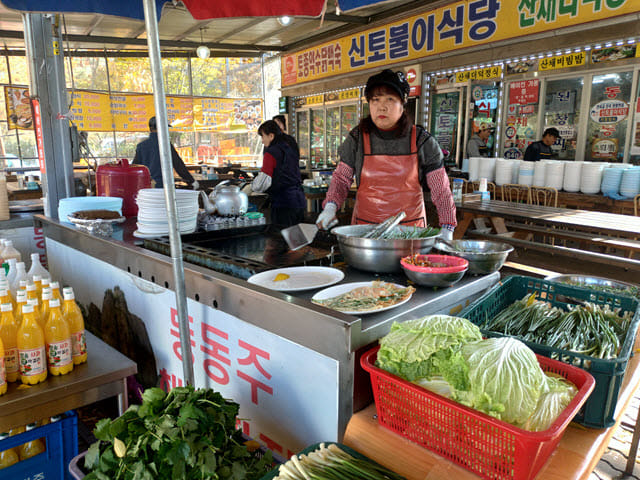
[19, 115]
[180, 113]
[224, 114]
[132, 112]
[90, 111]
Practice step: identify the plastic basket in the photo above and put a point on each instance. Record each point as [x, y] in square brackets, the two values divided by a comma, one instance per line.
[61, 439]
[482, 444]
[599, 410]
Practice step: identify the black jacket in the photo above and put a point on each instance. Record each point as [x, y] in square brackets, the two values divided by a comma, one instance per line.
[148, 154]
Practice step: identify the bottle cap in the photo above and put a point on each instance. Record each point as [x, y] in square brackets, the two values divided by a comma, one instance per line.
[54, 302]
[28, 308]
[46, 293]
[67, 293]
[4, 291]
[46, 281]
[20, 263]
[21, 296]
[54, 285]
[31, 287]
[35, 256]
[37, 278]
[6, 307]
[33, 301]
[23, 284]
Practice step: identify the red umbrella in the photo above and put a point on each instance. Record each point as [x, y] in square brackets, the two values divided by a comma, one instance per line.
[206, 9]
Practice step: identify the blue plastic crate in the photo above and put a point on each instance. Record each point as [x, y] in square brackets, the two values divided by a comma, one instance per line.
[62, 445]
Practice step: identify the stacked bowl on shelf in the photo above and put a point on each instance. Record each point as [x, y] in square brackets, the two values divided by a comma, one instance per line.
[591, 177]
[630, 183]
[525, 175]
[572, 174]
[504, 168]
[611, 178]
[153, 216]
[554, 174]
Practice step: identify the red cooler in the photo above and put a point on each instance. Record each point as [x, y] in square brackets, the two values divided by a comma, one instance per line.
[123, 180]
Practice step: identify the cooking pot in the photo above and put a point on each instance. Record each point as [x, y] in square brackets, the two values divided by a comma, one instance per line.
[227, 200]
[122, 180]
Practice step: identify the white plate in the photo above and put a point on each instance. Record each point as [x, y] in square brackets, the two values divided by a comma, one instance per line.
[347, 287]
[300, 278]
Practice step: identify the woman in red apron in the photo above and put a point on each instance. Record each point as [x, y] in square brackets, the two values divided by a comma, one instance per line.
[392, 161]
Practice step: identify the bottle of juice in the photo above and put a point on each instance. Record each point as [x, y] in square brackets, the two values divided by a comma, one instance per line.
[23, 285]
[46, 283]
[36, 310]
[8, 457]
[9, 337]
[58, 339]
[33, 359]
[36, 267]
[46, 297]
[55, 291]
[5, 297]
[32, 448]
[3, 372]
[32, 290]
[21, 274]
[9, 251]
[37, 281]
[76, 323]
[21, 301]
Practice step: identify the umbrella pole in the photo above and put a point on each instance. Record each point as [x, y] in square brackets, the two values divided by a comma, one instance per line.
[153, 42]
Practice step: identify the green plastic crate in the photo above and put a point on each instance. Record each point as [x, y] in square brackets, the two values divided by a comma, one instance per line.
[599, 409]
[274, 473]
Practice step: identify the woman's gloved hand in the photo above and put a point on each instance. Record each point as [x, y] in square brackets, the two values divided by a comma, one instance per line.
[195, 185]
[446, 232]
[327, 217]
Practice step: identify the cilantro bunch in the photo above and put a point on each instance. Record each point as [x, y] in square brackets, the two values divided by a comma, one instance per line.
[186, 434]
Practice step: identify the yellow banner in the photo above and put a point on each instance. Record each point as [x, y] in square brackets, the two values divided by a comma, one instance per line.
[479, 74]
[562, 61]
[91, 111]
[180, 113]
[462, 24]
[132, 112]
[352, 94]
[223, 114]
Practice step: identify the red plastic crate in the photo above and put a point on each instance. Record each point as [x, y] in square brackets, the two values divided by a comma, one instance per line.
[482, 444]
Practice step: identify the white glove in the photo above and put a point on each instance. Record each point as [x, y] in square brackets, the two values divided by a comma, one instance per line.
[195, 185]
[327, 218]
[445, 233]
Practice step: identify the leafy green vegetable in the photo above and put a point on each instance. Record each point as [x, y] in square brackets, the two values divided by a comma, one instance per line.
[187, 434]
[551, 404]
[408, 233]
[425, 347]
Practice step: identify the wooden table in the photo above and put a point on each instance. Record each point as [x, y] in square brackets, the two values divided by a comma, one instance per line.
[575, 458]
[102, 376]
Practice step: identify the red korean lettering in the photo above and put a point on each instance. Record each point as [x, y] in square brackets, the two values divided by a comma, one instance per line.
[252, 357]
[255, 385]
[213, 366]
[177, 349]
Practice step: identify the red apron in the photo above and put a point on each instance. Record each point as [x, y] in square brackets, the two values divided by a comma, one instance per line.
[389, 184]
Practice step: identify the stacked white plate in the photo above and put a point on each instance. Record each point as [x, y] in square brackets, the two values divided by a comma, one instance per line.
[554, 174]
[503, 171]
[525, 176]
[539, 171]
[591, 177]
[611, 179]
[572, 174]
[515, 170]
[488, 168]
[630, 183]
[152, 212]
[474, 168]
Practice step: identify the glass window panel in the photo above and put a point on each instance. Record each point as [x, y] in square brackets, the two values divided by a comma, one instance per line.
[302, 121]
[562, 111]
[444, 120]
[8, 142]
[3, 106]
[334, 139]
[28, 148]
[101, 144]
[484, 100]
[608, 116]
[19, 70]
[317, 138]
[4, 74]
[244, 78]
[89, 73]
[176, 76]
[522, 118]
[130, 75]
[209, 77]
[349, 120]
[126, 143]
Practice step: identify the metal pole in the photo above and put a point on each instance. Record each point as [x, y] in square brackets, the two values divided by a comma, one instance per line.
[153, 42]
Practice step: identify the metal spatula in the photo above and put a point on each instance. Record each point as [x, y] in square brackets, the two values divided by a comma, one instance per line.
[299, 235]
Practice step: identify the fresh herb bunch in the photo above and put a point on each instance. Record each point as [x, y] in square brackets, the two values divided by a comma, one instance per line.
[409, 233]
[186, 434]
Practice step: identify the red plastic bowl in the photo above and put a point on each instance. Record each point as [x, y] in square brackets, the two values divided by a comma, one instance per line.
[454, 264]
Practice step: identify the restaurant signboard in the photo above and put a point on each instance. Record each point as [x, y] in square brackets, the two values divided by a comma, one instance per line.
[462, 24]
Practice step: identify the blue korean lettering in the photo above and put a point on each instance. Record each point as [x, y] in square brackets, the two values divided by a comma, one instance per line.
[452, 27]
[377, 41]
[423, 33]
[482, 14]
[356, 52]
[399, 41]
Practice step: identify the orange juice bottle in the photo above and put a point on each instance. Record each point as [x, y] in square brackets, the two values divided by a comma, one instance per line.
[37, 281]
[33, 359]
[32, 448]
[46, 297]
[9, 337]
[3, 373]
[21, 301]
[55, 291]
[76, 323]
[46, 283]
[32, 291]
[37, 310]
[58, 339]
[23, 285]
[5, 297]
[8, 457]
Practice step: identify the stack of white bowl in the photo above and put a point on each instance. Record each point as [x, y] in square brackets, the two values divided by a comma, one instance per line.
[572, 175]
[504, 173]
[525, 176]
[554, 174]
[630, 183]
[152, 212]
[515, 170]
[539, 170]
[474, 168]
[591, 177]
[611, 178]
[488, 168]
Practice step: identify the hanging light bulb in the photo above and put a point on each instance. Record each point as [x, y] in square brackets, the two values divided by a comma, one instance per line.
[202, 51]
[285, 20]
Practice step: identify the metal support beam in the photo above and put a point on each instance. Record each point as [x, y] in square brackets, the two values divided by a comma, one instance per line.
[46, 67]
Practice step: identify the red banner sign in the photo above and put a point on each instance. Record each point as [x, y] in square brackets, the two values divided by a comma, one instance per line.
[39, 139]
[524, 92]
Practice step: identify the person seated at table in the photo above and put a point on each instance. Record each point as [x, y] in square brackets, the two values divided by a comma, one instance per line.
[541, 150]
[477, 144]
[280, 177]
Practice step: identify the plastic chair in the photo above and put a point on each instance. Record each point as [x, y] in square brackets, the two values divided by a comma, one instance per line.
[516, 192]
[545, 196]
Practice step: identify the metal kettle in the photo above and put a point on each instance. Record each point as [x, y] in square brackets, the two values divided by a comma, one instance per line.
[227, 200]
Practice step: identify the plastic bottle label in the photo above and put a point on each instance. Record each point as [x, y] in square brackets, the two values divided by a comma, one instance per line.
[32, 362]
[3, 373]
[79, 343]
[11, 360]
[59, 354]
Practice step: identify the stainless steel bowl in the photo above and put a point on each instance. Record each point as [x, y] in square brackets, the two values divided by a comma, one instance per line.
[435, 279]
[380, 256]
[484, 257]
[588, 281]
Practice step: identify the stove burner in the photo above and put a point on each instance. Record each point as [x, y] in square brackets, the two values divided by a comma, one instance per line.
[208, 222]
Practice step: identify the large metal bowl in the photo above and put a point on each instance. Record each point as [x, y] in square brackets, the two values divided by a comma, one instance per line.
[380, 256]
[435, 276]
[615, 286]
[484, 257]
